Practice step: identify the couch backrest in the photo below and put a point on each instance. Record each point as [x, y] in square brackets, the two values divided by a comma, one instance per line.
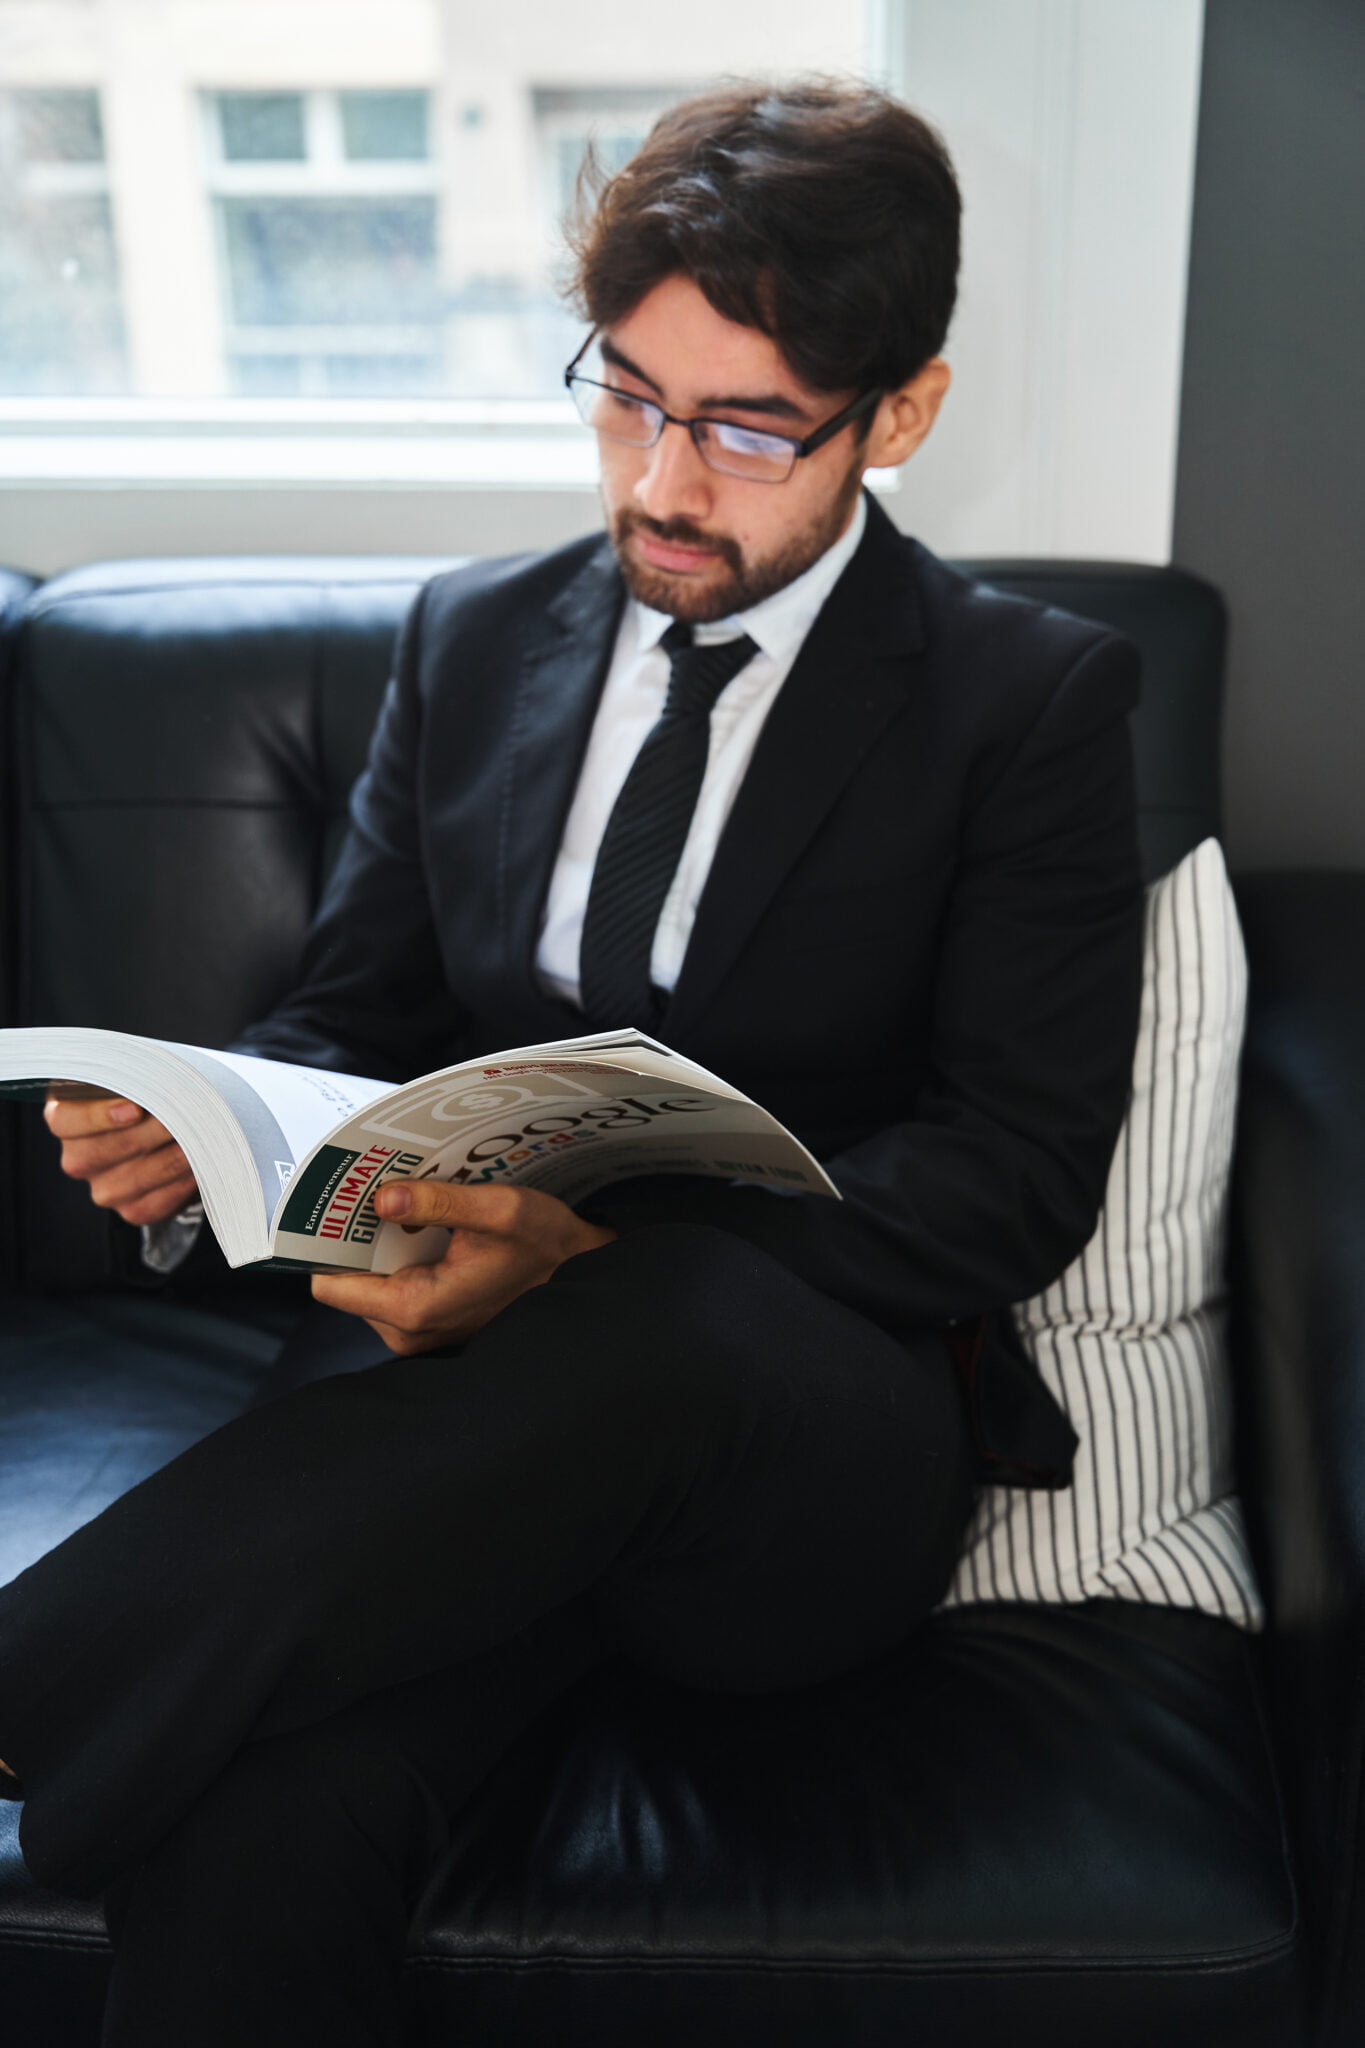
[184, 735]
[1180, 625]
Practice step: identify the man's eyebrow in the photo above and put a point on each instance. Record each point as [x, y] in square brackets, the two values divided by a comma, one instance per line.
[619, 360]
[772, 404]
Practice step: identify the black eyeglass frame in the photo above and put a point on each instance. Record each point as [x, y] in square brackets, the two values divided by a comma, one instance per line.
[799, 449]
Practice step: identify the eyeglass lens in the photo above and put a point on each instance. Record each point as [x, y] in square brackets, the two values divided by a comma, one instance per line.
[722, 445]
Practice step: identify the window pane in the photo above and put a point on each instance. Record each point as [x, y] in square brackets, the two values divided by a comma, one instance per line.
[262, 127]
[323, 262]
[316, 374]
[359, 376]
[268, 377]
[384, 127]
[614, 122]
[59, 127]
[60, 325]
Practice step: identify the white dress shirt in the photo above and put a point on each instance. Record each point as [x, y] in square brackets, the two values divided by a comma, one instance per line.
[632, 699]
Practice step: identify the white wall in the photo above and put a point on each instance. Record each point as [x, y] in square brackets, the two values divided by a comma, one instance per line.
[1072, 124]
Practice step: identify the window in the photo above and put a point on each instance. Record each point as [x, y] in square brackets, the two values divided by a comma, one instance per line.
[614, 119]
[261, 127]
[61, 325]
[384, 127]
[58, 127]
[163, 322]
[327, 242]
[284, 273]
[286, 199]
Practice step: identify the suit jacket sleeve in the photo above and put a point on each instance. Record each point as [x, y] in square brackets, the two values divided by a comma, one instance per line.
[993, 1185]
[372, 997]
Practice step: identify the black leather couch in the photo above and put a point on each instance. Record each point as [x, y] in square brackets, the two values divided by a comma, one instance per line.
[1104, 1824]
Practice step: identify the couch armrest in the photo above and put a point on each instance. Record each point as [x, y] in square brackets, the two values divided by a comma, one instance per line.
[1298, 1266]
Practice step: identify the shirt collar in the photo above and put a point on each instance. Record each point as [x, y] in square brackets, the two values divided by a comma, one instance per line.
[781, 622]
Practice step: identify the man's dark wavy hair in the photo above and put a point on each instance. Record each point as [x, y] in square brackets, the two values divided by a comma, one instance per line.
[825, 214]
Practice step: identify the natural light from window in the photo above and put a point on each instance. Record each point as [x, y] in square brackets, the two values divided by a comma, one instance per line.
[268, 200]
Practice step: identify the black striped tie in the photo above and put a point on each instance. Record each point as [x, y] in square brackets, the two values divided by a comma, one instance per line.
[647, 831]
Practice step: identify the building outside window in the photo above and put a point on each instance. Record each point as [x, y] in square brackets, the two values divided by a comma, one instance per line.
[326, 208]
[286, 199]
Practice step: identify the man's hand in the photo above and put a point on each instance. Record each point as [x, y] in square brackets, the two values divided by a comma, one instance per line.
[131, 1162]
[505, 1241]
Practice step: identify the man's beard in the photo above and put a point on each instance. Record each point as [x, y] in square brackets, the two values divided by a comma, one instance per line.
[746, 583]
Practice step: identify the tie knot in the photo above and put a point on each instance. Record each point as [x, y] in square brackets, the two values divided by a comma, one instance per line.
[698, 674]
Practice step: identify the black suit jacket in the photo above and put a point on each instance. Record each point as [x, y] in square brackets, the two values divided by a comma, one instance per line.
[919, 944]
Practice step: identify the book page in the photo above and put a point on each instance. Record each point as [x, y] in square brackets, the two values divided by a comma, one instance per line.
[282, 1110]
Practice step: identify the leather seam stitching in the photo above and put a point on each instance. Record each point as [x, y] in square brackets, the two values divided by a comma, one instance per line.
[1220, 1962]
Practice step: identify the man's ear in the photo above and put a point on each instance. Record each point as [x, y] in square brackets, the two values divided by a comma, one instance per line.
[905, 416]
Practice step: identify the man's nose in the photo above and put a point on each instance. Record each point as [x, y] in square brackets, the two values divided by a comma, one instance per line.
[674, 481]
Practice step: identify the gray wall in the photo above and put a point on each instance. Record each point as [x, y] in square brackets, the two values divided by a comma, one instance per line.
[1270, 488]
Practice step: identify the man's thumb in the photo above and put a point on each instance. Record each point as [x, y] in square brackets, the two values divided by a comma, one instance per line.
[418, 1202]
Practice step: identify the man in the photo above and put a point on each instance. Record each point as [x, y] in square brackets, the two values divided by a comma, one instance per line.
[760, 775]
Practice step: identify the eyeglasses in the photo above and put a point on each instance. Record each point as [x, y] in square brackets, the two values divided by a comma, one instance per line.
[749, 452]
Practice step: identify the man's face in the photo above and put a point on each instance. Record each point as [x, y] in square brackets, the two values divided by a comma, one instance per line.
[692, 542]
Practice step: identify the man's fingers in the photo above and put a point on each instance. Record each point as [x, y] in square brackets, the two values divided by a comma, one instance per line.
[398, 1300]
[128, 1158]
[506, 1241]
[498, 1210]
[162, 1204]
[83, 1158]
[134, 1180]
[83, 1119]
[406, 1343]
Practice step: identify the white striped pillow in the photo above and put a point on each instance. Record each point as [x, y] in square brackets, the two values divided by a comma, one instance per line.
[1131, 1338]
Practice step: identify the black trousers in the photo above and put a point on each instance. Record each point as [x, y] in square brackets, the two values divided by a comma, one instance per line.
[246, 1701]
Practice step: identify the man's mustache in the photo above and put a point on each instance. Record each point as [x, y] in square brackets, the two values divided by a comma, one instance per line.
[681, 533]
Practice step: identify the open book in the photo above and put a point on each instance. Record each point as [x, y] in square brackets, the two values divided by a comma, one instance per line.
[288, 1159]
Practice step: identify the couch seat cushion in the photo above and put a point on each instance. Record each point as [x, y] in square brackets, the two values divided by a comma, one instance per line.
[97, 1391]
[1058, 1822]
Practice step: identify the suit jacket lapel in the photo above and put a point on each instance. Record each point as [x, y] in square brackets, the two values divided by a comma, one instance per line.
[560, 682]
[848, 681]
